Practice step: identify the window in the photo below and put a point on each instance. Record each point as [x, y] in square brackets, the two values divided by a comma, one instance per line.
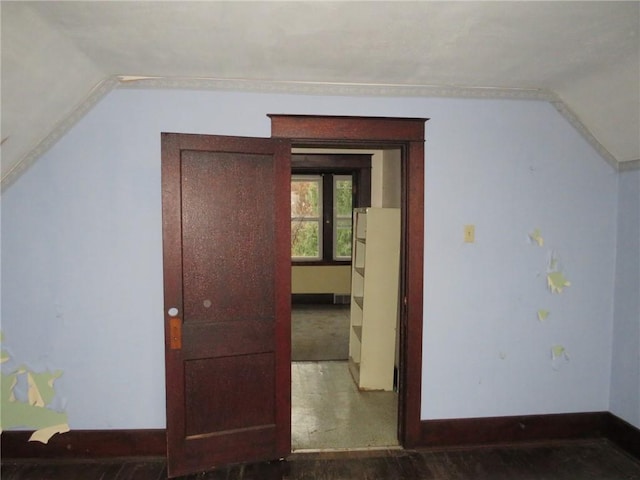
[325, 188]
[306, 217]
[321, 209]
[342, 216]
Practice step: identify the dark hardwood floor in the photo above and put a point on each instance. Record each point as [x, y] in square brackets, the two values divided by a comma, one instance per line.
[578, 460]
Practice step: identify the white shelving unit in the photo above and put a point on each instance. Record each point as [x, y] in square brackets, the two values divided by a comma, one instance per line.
[374, 297]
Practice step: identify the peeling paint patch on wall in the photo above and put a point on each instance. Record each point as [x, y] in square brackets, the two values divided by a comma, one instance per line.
[556, 281]
[543, 314]
[559, 356]
[34, 410]
[536, 237]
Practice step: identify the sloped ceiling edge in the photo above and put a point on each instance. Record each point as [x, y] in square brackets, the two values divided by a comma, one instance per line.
[310, 88]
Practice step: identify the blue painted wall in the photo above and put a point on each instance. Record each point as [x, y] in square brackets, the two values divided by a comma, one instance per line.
[82, 253]
[625, 368]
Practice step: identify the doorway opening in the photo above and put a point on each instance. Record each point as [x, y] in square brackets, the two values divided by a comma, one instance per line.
[222, 246]
[406, 135]
[332, 408]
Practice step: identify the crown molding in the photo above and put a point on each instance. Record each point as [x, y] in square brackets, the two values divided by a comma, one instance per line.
[332, 88]
[60, 129]
[629, 166]
[304, 88]
[575, 121]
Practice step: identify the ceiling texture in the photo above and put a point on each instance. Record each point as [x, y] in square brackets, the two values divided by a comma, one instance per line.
[59, 58]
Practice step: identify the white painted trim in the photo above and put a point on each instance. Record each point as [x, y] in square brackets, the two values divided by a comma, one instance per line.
[575, 121]
[333, 88]
[95, 95]
[629, 166]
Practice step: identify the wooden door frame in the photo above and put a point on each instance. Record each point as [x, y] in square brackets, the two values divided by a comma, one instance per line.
[406, 134]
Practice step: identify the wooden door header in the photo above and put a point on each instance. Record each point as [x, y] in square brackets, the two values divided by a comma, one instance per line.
[378, 129]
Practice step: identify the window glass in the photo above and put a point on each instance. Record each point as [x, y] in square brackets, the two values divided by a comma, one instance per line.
[342, 213]
[306, 215]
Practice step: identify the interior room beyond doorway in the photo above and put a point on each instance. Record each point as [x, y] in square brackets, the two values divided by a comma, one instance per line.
[328, 410]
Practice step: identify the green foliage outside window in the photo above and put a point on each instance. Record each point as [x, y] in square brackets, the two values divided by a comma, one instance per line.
[305, 218]
[304, 239]
[343, 194]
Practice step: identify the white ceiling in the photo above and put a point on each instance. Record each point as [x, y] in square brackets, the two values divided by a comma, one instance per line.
[59, 58]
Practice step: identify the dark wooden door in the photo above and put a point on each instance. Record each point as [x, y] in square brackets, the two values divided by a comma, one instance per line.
[227, 282]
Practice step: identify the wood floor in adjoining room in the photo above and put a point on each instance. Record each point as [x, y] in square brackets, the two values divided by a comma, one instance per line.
[578, 460]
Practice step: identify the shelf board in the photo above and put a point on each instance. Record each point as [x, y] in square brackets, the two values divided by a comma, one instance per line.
[357, 329]
[359, 301]
[354, 368]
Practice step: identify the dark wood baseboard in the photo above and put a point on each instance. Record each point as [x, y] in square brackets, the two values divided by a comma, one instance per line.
[87, 444]
[457, 432]
[312, 298]
[623, 434]
[501, 430]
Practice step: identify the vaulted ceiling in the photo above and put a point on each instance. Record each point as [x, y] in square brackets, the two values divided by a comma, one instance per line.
[59, 58]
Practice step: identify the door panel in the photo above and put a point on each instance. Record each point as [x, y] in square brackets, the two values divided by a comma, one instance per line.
[227, 200]
[227, 272]
[220, 384]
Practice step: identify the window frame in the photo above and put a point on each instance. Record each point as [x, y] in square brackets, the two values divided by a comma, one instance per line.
[358, 166]
[319, 219]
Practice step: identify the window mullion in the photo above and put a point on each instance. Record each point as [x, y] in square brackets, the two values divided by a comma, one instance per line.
[327, 214]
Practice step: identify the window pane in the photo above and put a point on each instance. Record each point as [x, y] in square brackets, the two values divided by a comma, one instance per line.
[343, 239]
[342, 211]
[305, 239]
[343, 196]
[305, 197]
[306, 215]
